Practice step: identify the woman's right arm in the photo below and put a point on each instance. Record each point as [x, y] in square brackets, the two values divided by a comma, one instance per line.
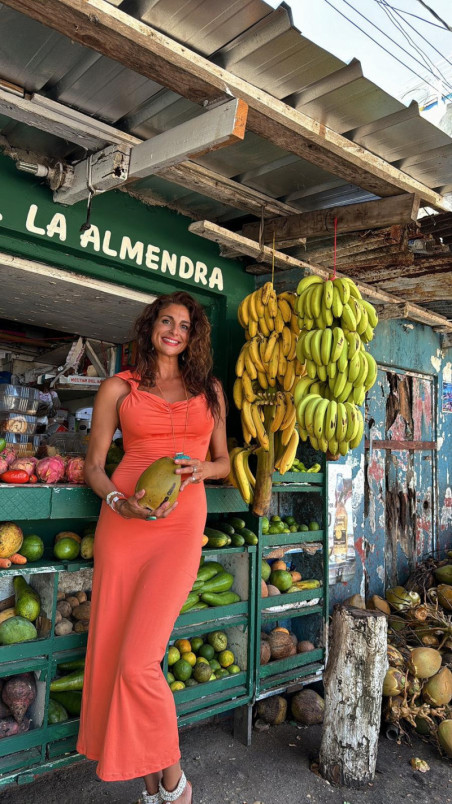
[104, 423]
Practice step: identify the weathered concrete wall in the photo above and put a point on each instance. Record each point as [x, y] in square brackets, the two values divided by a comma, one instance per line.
[403, 346]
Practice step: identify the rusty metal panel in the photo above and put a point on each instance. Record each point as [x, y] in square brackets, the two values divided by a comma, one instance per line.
[399, 487]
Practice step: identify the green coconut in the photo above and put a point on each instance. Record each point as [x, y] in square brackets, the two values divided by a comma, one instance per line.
[444, 591]
[438, 689]
[395, 658]
[445, 737]
[394, 682]
[160, 483]
[424, 662]
[400, 599]
[444, 574]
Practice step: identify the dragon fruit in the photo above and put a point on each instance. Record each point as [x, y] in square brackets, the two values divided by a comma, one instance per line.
[27, 464]
[75, 470]
[3, 465]
[8, 454]
[50, 470]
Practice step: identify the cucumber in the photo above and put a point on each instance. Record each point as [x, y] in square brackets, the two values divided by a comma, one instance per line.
[225, 527]
[192, 599]
[237, 522]
[219, 541]
[72, 701]
[208, 570]
[220, 598]
[213, 532]
[197, 585]
[237, 540]
[249, 536]
[221, 583]
[199, 606]
[74, 681]
[75, 664]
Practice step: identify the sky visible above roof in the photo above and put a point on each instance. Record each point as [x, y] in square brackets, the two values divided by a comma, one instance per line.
[347, 28]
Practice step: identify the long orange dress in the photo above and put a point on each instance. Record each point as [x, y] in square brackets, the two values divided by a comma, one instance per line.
[143, 572]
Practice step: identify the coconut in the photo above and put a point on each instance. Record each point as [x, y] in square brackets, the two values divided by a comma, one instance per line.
[424, 662]
[400, 599]
[377, 603]
[422, 726]
[356, 601]
[305, 646]
[294, 638]
[444, 591]
[265, 653]
[273, 710]
[394, 682]
[395, 658]
[445, 737]
[307, 707]
[280, 644]
[414, 686]
[444, 574]
[438, 689]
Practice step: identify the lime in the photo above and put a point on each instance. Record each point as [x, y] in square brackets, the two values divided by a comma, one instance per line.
[221, 673]
[201, 660]
[218, 640]
[214, 664]
[196, 643]
[290, 520]
[32, 547]
[274, 529]
[173, 655]
[265, 522]
[189, 657]
[293, 528]
[226, 658]
[177, 685]
[233, 669]
[170, 678]
[314, 526]
[66, 549]
[275, 518]
[206, 651]
[303, 527]
[182, 670]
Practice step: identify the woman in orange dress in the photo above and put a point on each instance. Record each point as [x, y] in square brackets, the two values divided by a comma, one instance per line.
[146, 561]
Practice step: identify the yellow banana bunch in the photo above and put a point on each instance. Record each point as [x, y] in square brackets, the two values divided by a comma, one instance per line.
[241, 475]
[331, 426]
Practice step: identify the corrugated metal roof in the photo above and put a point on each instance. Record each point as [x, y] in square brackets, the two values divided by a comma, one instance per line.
[256, 43]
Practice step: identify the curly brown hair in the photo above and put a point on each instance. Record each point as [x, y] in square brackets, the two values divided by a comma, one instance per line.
[195, 362]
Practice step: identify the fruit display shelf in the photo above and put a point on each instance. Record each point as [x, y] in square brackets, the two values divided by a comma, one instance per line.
[30, 502]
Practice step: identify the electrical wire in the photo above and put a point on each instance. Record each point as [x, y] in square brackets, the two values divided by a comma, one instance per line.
[431, 67]
[410, 55]
[398, 12]
[410, 69]
[434, 14]
[416, 16]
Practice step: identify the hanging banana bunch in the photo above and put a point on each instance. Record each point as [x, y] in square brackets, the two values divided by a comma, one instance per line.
[267, 370]
[335, 324]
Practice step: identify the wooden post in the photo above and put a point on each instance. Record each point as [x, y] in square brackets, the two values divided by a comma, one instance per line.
[353, 682]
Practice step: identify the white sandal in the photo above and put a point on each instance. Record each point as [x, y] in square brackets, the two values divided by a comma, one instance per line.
[149, 798]
[169, 796]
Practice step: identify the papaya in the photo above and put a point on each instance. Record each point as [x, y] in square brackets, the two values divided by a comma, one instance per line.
[219, 583]
[17, 629]
[11, 538]
[160, 483]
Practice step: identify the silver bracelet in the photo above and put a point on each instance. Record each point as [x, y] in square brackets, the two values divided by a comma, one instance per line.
[113, 498]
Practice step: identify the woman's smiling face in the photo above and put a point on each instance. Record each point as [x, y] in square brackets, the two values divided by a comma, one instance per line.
[171, 330]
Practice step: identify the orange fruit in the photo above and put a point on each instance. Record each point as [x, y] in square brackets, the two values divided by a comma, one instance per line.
[189, 657]
[183, 645]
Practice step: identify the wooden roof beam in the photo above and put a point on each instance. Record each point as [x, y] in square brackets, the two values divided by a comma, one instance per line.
[398, 209]
[265, 254]
[98, 25]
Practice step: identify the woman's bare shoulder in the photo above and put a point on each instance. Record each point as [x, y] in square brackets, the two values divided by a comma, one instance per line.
[113, 388]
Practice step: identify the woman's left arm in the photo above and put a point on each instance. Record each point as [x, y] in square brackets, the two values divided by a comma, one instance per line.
[219, 464]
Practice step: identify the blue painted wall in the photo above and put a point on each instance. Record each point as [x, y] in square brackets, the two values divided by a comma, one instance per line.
[411, 347]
